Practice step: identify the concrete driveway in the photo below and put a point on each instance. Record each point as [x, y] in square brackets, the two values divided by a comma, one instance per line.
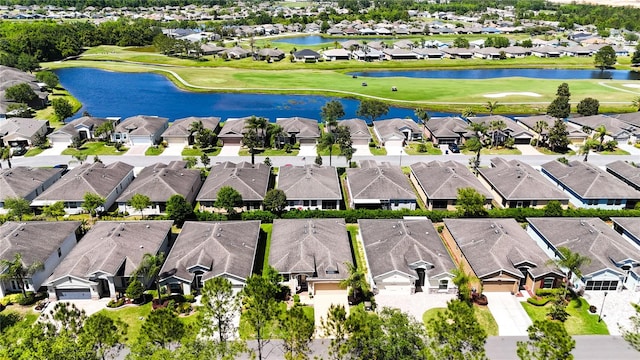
[136, 150]
[413, 304]
[321, 304]
[229, 150]
[90, 307]
[308, 150]
[173, 150]
[527, 150]
[509, 314]
[56, 149]
[362, 150]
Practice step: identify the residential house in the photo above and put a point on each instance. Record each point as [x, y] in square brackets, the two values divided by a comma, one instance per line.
[306, 55]
[458, 53]
[510, 130]
[446, 130]
[617, 129]
[368, 54]
[437, 183]
[515, 184]
[428, 53]
[159, 182]
[140, 130]
[489, 53]
[310, 187]
[360, 134]
[25, 183]
[311, 254]
[629, 228]
[107, 181]
[546, 51]
[179, 132]
[271, 54]
[299, 130]
[628, 173]
[405, 256]
[233, 130]
[19, 132]
[83, 128]
[41, 242]
[632, 118]
[614, 260]
[101, 265]
[575, 133]
[236, 52]
[516, 51]
[399, 54]
[590, 187]
[500, 253]
[396, 132]
[11, 76]
[205, 250]
[336, 54]
[383, 186]
[251, 181]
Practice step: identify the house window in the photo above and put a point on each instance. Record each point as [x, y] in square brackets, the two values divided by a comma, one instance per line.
[618, 202]
[602, 285]
[305, 203]
[610, 202]
[59, 252]
[314, 202]
[547, 283]
[443, 284]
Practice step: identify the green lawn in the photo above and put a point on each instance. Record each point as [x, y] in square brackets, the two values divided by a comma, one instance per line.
[412, 149]
[33, 152]
[361, 263]
[581, 321]
[325, 152]
[483, 315]
[95, 148]
[198, 152]
[48, 114]
[495, 151]
[154, 150]
[271, 330]
[617, 151]
[267, 246]
[269, 152]
[546, 151]
[378, 150]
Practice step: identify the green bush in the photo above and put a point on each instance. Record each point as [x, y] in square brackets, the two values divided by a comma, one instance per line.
[115, 303]
[189, 298]
[29, 299]
[264, 216]
[372, 144]
[210, 216]
[539, 301]
[549, 292]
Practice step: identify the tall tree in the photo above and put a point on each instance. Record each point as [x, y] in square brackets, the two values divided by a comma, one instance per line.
[356, 282]
[471, 203]
[160, 329]
[49, 78]
[62, 108]
[297, 331]
[261, 308]
[17, 270]
[259, 123]
[18, 207]
[563, 90]
[54, 210]
[558, 136]
[423, 117]
[599, 133]
[548, 340]
[275, 200]
[229, 199]
[149, 269]
[463, 281]
[326, 141]
[91, 202]
[250, 140]
[220, 307]
[333, 326]
[343, 139]
[539, 127]
[491, 106]
[588, 106]
[476, 143]
[559, 107]
[104, 130]
[571, 262]
[605, 57]
[372, 109]
[496, 127]
[102, 333]
[331, 112]
[587, 146]
[6, 155]
[632, 335]
[178, 209]
[21, 93]
[139, 202]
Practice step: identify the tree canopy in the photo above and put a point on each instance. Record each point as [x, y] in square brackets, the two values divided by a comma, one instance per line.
[548, 340]
[229, 199]
[605, 57]
[588, 106]
[372, 109]
[178, 209]
[275, 200]
[22, 93]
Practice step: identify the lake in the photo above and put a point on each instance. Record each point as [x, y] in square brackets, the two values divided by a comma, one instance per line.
[105, 93]
[557, 74]
[317, 39]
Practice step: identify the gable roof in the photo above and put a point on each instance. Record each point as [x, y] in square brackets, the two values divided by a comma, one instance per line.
[94, 178]
[318, 246]
[515, 180]
[21, 127]
[357, 127]
[251, 181]
[309, 182]
[383, 181]
[34, 240]
[160, 181]
[510, 125]
[588, 181]
[392, 127]
[441, 180]
[234, 127]
[629, 118]
[180, 127]
[615, 127]
[111, 246]
[306, 53]
[630, 224]
[626, 172]
[402, 245]
[590, 237]
[492, 245]
[447, 127]
[20, 181]
[142, 125]
[302, 127]
[71, 128]
[221, 247]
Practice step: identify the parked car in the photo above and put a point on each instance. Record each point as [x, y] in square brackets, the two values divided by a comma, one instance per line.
[18, 151]
[454, 148]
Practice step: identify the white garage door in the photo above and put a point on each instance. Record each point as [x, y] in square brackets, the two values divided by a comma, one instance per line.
[73, 294]
[394, 143]
[141, 140]
[395, 289]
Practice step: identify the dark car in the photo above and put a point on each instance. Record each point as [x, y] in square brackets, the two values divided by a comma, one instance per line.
[454, 148]
[18, 151]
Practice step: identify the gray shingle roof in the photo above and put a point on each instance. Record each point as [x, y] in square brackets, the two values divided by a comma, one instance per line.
[21, 127]
[111, 245]
[159, 182]
[358, 128]
[34, 240]
[491, 245]
[515, 180]
[447, 127]
[71, 128]
[222, 247]
[234, 127]
[142, 125]
[180, 127]
[384, 182]
[309, 182]
[311, 246]
[614, 126]
[629, 118]
[400, 245]
[441, 180]
[94, 178]
[21, 181]
[626, 172]
[391, 127]
[531, 121]
[588, 181]
[630, 224]
[302, 127]
[590, 237]
[251, 181]
[511, 127]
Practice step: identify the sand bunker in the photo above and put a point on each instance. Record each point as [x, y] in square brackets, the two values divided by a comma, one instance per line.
[635, 86]
[500, 95]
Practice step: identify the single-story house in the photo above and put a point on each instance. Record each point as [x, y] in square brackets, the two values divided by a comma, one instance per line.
[575, 133]
[405, 256]
[515, 184]
[300, 130]
[501, 254]
[396, 132]
[251, 181]
[25, 182]
[428, 53]
[179, 132]
[628, 173]
[102, 263]
[159, 182]
[336, 54]
[11, 76]
[458, 53]
[43, 242]
[437, 183]
[310, 187]
[140, 130]
[311, 254]
[511, 129]
[360, 134]
[269, 53]
[628, 227]
[590, 187]
[632, 118]
[614, 260]
[205, 250]
[83, 127]
[383, 186]
[19, 132]
[236, 52]
[233, 130]
[516, 51]
[617, 129]
[399, 54]
[489, 53]
[546, 51]
[368, 54]
[306, 55]
[108, 181]
[446, 130]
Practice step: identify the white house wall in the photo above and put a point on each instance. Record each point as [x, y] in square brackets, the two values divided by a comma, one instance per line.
[53, 261]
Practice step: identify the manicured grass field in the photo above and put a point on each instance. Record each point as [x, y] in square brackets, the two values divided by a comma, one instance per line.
[581, 321]
[48, 114]
[154, 150]
[412, 149]
[483, 315]
[94, 148]
[33, 152]
[198, 152]
[617, 151]
[269, 152]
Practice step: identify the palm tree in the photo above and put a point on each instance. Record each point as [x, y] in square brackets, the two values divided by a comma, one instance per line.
[491, 106]
[17, 269]
[149, 269]
[277, 135]
[326, 141]
[259, 123]
[588, 145]
[463, 281]
[496, 126]
[356, 281]
[540, 126]
[571, 262]
[5, 154]
[600, 132]
[423, 116]
[476, 143]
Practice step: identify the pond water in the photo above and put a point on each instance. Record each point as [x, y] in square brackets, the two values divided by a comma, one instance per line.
[559, 74]
[106, 93]
[317, 39]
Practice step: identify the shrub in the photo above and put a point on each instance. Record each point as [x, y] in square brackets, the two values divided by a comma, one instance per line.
[422, 147]
[210, 216]
[115, 303]
[29, 299]
[264, 216]
[184, 308]
[549, 292]
[541, 301]
[372, 144]
[189, 298]
[135, 290]
[533, 142]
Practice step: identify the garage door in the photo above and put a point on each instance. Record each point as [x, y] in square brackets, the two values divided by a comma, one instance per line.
[179, 141]
[394, 143]
[73, 294]
[497, 286]
[232, 141]
[396, 289]
[59, 139]
[141, 140]
[360, 141]
[329, 288]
